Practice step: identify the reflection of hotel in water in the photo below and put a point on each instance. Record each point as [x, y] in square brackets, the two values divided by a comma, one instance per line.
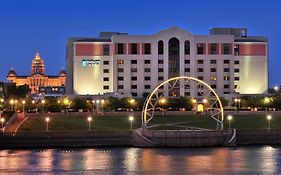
[132, 65]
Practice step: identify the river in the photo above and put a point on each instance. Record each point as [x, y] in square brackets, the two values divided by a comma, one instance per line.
[221, 160]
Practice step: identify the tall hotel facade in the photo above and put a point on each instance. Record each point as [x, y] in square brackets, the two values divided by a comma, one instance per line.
[231, 62]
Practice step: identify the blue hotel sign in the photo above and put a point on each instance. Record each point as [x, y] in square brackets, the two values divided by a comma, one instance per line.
[90, 62]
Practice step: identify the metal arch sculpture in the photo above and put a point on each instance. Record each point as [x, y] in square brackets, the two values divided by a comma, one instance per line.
[205, 90]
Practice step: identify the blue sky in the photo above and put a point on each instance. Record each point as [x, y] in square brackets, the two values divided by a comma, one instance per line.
[45, 25]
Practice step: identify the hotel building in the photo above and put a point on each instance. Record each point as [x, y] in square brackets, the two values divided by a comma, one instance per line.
[227, 59]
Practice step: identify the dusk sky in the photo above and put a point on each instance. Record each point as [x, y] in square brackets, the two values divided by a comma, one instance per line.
[45, 25]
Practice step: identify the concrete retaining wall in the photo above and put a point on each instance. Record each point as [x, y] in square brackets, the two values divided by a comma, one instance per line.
[261, 137]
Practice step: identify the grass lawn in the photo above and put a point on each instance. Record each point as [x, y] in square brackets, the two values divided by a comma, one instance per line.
[121, 123]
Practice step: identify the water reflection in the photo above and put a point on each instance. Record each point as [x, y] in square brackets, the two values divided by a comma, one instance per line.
[242, 160]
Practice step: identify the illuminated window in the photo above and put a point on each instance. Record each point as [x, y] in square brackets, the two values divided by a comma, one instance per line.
[226, 77]
[120, 61]
[236, 49]
[214, 78]
[236, 87]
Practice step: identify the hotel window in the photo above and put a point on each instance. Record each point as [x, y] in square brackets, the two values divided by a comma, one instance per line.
[146, 69]
[134, 94]
[236, 49]
[160, 61]
[147, 78]
[226, 48]
[226, 69]
[186, 61]
[226, 78]
[214, 78]
[199, 69]
[187, 69]
[213, 86]
[160, 70]
[160, 47]
[186, 47]
[105, 70]
[200, 49]
[146, 86]
[105, 62]
[120, 61]
[225, 92]
[105, 78]
[213, 48]
[187, 94]
[134, 61]
[213, 70]
[225, 61]
[200, 61]
[134, 86]
[106, 49]
[134, 48]
[120, 78]
[236, 62]
[236, 78]
[236, 87]
[213, 61]
[134, 78]
[147, 49]
[200, 78]
[146, 61]
[120, 48]
[134, 70]
[236, 70]
[105, 87]
[226, 86]
[160, 78]
[120, 87]
[120, 70]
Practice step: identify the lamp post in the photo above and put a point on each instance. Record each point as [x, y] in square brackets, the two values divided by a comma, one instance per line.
[102, 103]
[12, 104]
[47, 122]
[98, 106]
[237, 104]
[205, 101]
[2, 123]
[43, 103]
[229, 118]
[89, 120]
[23, 103]
[268, 117]
[266, 101]
[131, 118]
[132, 103]
[162, 101]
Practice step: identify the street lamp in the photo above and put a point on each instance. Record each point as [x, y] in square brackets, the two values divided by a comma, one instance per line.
[268, 119]
[131, 118]
[89, 120]
[23, 103]
[47, 122]
[43, 103]
[266, 101]
[2, 122]
[229, 118]
[12, 104]
[102, 102]
[276, 88]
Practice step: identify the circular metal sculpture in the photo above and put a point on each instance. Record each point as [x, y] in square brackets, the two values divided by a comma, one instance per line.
[205, 93]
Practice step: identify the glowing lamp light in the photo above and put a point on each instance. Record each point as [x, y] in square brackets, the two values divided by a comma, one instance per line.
[131, 118]
[12, 101]
[89, 119]
[269, 117]
[266, 99]
[47, 119]
[132, 101]
[43, 101]
[229, 117]
[23, 102]
[2, 120]
[205, 100]
[163, 100]
[276, 88]
[194, 100]
[33, 101]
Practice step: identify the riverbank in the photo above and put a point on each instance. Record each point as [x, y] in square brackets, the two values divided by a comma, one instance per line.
[125, 138]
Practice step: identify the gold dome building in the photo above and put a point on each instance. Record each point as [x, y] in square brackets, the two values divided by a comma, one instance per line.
[37, 79]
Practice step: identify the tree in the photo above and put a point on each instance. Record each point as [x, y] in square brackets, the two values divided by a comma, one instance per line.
[79, 103]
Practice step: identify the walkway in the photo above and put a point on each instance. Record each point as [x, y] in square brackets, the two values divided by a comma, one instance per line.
[15, 122]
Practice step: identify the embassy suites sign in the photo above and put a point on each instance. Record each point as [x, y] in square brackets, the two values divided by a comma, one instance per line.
[90, 62]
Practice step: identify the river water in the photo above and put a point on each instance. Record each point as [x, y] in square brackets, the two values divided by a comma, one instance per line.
[221, 160]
